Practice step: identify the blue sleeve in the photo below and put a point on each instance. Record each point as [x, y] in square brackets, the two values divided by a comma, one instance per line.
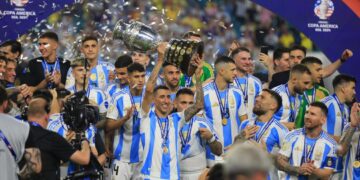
[330, 121]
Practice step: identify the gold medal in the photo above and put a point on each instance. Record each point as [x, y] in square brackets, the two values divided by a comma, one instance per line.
[356, 164]
[165, 149]
[224, 121]
[93, 77]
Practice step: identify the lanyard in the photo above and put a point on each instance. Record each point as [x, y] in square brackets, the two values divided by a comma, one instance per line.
[223, 107]
[164, 129]
[136, 112]
[312, 98]
[35, 124]
[185, 140]
[291, 102]
[308, 154]
[8, 145]
[188, 80]
[263, 130]
[245, 89]
[45, 66]
[342, 110]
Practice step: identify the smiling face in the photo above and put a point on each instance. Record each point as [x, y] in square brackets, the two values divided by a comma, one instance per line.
[162, 100]
[171, 76]
[47, 47]
[243, 61]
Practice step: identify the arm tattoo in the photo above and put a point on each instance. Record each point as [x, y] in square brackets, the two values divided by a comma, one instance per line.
[282, 163]
[199, 104]
[347, 136]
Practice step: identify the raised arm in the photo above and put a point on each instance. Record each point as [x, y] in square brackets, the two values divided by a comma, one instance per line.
[349, 132]
[331, 68]
[199, 101]
[150, 85]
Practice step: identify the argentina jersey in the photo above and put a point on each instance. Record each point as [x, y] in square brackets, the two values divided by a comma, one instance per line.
[322, 151]
[337, 117]
[99, 75]
[114, 88]
[226, 127]
[290, 104]
[351, 163]
[271, 135]
[160, 157]
[96, 96]
[127, 139]
[193, 147]
[251, 87]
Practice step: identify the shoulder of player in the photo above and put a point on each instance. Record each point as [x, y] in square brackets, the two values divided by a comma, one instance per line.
[280, 126]
[329, 139]
[294, 134]
[257, 80]
[327, 100]
[208, 87]
[279, 88]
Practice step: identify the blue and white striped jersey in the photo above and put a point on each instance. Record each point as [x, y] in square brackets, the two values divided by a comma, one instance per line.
[350, 171]
[160, 158]
[271, 135]
[321, 150]
[250, 87]
[290, 104]
[57, 124]
[126, 145]
[99, 76]
[337, 117]
[195, 144]
[114, 88]
[225, 128]
[96, 96]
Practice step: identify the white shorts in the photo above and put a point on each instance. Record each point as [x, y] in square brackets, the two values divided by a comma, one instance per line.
[125, 171]
[190, 175]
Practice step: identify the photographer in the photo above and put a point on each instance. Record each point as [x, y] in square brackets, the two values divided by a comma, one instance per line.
[58, 125]
[53, 147]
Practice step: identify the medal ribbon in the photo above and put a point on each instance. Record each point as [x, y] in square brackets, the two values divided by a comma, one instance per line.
[223, 107]
[136, 112]
[292, 104]
[185, 140]
[188, 80]
[244, 90]
[45, 66]
[342, 111]
[164, 129]
[357, 157]
[308, 154]
[312, 98]
[263, 130]
[8, 145]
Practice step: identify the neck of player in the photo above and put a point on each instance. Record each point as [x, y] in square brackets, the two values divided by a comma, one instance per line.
[92, 62]
[220, 82]
[173, 89]
[341, 97]
[135, 92]
[51, 58]
[291, 89]
[36, 120]
[266, 117]
[160, 114]
[80, 86]
[241, 73]
[313, 132]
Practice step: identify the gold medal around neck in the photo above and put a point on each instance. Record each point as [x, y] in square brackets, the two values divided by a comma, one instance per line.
[224, 121]
[356, 164]
[165, 149]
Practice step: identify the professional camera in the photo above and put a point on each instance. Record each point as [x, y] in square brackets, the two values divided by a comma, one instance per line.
[78, 114]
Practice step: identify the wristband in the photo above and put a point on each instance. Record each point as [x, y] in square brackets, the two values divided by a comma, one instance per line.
[213, 139]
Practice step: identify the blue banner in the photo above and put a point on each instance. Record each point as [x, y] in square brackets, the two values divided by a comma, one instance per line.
[333, 25]
[18, 16]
